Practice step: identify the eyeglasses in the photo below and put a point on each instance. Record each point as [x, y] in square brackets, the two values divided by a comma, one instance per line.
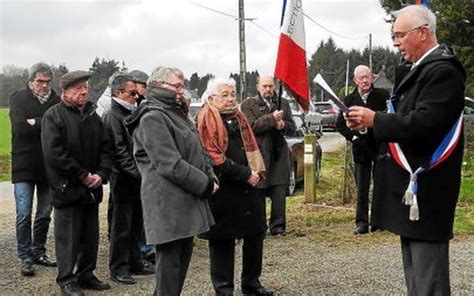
[41, 82]
[226, 96]
[133, 93]
[175, 85]
[401, 35]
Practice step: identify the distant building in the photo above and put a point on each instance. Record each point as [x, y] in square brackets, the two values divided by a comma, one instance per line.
[381, 81]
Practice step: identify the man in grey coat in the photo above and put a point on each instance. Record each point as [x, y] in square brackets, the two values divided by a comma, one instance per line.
[177, 178]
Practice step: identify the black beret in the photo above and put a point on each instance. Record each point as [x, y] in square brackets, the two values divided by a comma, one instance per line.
[73, 77]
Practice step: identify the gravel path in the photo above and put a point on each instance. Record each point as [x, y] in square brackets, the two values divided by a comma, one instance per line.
[292, 266]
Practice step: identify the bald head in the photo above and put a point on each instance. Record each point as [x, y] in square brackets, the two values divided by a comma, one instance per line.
[266, 86]
[363, 78]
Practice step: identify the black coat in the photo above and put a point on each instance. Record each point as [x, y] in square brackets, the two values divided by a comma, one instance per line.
[27, 155]
[74, 144]
[364, 148]
[237, 207]
[272, 143]
[125, 179]
[428, 101]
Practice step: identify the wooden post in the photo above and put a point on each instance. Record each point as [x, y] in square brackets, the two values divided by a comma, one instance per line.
[309, 169]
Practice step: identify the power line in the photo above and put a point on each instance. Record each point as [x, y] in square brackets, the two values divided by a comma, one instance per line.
[330, 31]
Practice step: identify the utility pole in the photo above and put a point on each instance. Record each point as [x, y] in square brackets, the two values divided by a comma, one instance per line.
[243, 68]
[370, 52]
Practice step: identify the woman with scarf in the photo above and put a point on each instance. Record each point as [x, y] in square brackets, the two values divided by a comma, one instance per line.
[238, 206]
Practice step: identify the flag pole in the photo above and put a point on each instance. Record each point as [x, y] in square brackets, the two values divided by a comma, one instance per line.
[280, 89]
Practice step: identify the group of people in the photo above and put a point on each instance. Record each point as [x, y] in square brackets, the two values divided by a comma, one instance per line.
[172, 179]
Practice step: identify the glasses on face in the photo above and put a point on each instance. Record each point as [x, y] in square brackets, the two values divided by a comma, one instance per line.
[42, 82]
[177, 86]
[226, 96]
[133, 93]
[402, 34]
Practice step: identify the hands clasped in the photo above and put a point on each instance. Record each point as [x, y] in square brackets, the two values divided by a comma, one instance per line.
[92, 180]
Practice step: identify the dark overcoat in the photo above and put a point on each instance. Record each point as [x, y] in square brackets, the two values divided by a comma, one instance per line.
[176, 173]
[75, 143]
[237, 207]
[364, 148]
[272, 143]
[428, 101]
[27, 154]
[125, 179]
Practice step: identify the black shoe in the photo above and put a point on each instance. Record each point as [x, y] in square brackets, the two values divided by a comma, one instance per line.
[374, 229]
[142, 270]
[45, 261]
[361, 230]
[260, 291]
[27, 268]
[93, 283]
[71, 289]
[277, 231]
[123, 278]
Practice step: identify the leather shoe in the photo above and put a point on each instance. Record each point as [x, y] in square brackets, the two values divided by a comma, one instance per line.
[93, 283]
[260, 291]
[45, 261]
[361, 230]
[27, 268]
[71, 289]
[277, 231]
[123, 278]
[143, 270]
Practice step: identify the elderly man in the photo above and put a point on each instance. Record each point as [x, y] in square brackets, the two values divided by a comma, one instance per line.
[26, 111]
[364, 147]
[140, 78]
[177, 178]
[78, 161]
[270, 125]
[126, 221]
[417, 183]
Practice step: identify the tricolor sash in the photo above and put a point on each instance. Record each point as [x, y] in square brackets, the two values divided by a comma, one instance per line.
[444, 150]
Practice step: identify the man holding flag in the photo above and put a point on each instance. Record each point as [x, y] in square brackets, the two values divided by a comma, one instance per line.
[418, 179]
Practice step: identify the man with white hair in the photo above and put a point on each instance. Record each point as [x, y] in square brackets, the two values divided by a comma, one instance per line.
[417, 181]
[364, 147]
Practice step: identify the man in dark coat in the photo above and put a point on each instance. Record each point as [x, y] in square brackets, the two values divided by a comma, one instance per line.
[77, 154]
[270, 125]
[177, 178]
[364, 147]
[26, 111]
[238, 207]
[416, 188]
[126, 229]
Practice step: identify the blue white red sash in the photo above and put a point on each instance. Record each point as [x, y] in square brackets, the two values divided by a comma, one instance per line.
[441, 153]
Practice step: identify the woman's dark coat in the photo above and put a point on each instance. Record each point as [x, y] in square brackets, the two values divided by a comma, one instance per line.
[428, 101]
[237, 207]
[27, 154]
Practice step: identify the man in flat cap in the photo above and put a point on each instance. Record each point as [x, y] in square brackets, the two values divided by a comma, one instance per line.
[27, 107]
[77, 154]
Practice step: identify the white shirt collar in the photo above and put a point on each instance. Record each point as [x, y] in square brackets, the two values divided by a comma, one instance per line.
[424, 56]
[126, 105]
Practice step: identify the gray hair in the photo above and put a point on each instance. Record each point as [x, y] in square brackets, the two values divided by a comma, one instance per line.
[361, 67]
[419, 14]
[163, 74]
[215, 83]
[119, 81]
[39, 68]
[264, 76]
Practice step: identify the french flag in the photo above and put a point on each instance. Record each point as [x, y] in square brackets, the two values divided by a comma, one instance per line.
[291, 68]
[423, 2]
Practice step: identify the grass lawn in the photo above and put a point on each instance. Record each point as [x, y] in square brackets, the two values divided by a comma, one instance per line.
[5, 140]
[331, 220]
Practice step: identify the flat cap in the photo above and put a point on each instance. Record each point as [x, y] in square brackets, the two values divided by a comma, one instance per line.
[73, 77]
[139, 76]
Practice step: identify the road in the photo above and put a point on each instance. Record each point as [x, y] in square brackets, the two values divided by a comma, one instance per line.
[331, 141]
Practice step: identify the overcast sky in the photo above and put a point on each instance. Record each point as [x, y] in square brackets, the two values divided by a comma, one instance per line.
[149, 33]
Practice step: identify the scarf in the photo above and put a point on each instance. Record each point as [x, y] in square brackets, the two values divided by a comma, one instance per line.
[42, 99]
[215, 139]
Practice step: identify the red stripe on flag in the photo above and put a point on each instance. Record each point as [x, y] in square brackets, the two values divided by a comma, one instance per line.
[291, 69]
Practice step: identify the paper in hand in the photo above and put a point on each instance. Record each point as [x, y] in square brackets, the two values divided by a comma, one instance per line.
[332, 96]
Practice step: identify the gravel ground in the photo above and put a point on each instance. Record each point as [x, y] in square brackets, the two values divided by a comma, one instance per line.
[292, 266]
